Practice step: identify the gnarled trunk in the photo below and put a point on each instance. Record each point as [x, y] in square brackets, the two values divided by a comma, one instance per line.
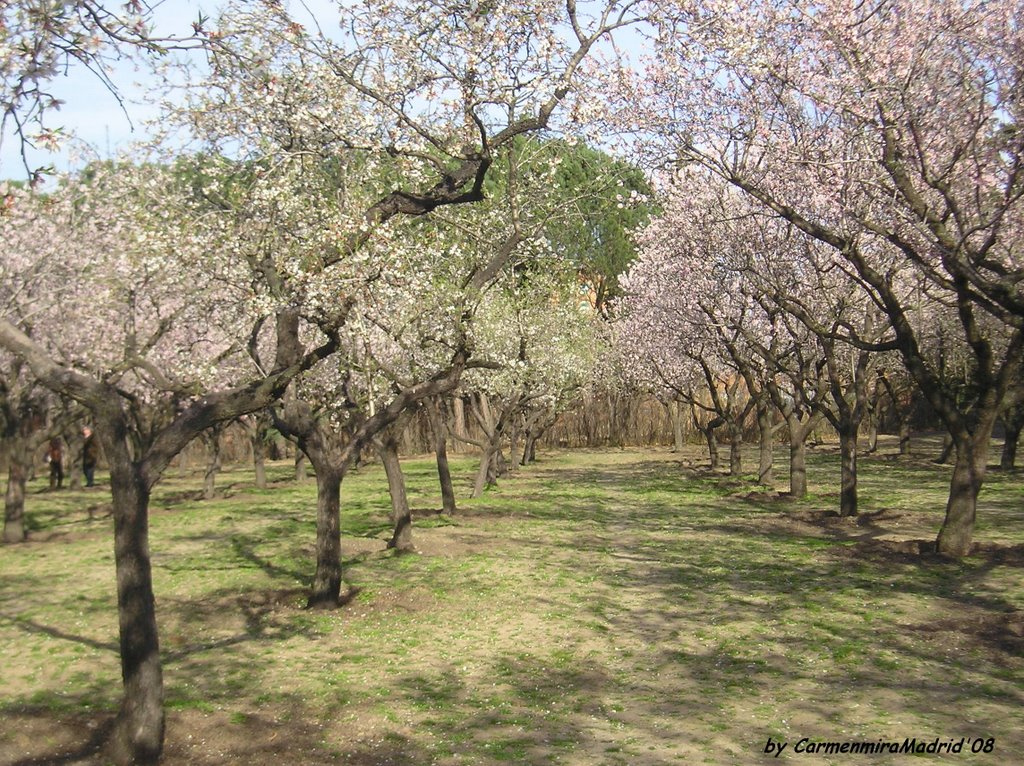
[326, 590]
[138, 733]
[401, 516]
[300, 467]
[437, 415]
[530, 449]
[957, 531]
[735, 449]
[487, 473]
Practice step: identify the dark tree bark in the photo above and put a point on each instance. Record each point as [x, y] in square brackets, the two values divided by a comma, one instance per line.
[538, 421]
[707, 430]
[259, 463]
[946, 453]
[326, 589]
[258, 425]
[797, 466]
[138, 732]
[493, 425]
[872, 414]
[1013, 422]
[731, 410]
[211, 438]
[24, 430]
[487, 473]
[848, 470]
[899, 403]
[18, 459]
[401, 516]
[801, 425]
[300, 467]
[766, 439]
[735, 449]
[137, 460]
[437, 413]
[514, 432]
[333, 449]
[957, 532]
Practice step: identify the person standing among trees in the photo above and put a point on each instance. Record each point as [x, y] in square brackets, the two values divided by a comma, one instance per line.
[90, 454]
[55, 457]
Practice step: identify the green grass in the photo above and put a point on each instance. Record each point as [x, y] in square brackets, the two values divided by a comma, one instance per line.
[597, 608]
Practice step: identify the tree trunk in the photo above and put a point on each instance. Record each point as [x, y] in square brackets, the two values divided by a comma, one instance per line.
[957, 531]
[677, 426]
[848, 470]
[765, 472]
[709, 437]
[326, 590]
[259, 456]
[735, 449]
[797, 466]
[300, 466]
[530, 449]
[1008, 458]
[444, 476]
[459, 421]
[213, 464]
[73, 459]
[904, 432]
[947, 449]
[486, 475]
[138, 733]
[401, 517]
[1013, 421]
[513, 450]
[19, 458]
[437, 414]
[872, 434]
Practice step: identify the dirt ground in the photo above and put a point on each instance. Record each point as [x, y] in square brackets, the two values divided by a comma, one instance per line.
[608, 608]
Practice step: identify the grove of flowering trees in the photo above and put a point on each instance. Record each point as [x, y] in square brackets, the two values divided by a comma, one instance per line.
[336, 226]
[888, 133]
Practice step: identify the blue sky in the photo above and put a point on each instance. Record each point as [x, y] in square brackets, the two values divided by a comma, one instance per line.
[91, 112]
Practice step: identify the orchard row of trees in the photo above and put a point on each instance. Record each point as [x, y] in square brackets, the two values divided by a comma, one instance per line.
[334, 228]
[362, 222]
[844, 201]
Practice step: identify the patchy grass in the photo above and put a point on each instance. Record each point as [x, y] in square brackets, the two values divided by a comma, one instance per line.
[597, 608]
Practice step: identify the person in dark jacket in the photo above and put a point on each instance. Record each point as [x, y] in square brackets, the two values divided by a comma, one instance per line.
[90, 455]
[55, 457]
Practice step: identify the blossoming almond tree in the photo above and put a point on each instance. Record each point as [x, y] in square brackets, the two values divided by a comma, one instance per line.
[40, 40]
[438, 89]
[889, 132]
